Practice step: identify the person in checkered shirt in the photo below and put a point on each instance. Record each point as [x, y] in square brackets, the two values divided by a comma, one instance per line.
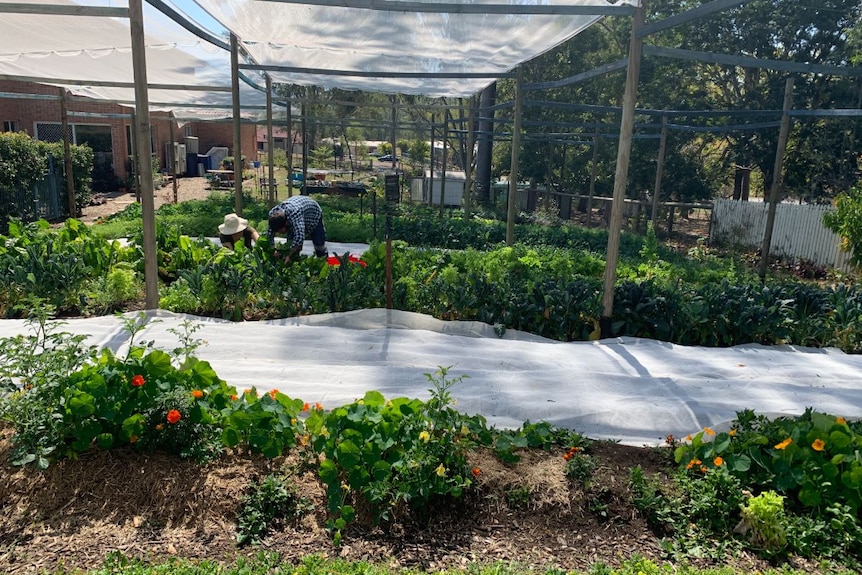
[298, 217]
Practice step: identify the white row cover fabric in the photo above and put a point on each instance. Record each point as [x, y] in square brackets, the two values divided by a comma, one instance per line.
[334, 38]
[98, 50]
[632, 390]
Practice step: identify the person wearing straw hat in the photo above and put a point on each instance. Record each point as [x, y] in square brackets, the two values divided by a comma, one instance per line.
[235, 229]
[297, 217]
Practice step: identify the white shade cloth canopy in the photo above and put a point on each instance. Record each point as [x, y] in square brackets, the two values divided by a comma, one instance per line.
[95, 53]
[430, 51]
[336, 38]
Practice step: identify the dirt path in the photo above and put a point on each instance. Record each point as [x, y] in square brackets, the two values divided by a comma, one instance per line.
[113, 202]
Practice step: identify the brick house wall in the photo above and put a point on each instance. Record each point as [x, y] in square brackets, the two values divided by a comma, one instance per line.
[22, 115]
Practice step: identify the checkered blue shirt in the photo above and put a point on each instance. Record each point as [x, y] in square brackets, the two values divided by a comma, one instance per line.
[303, 216]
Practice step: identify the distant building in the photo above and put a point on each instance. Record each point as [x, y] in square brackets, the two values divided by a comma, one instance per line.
[107, 129]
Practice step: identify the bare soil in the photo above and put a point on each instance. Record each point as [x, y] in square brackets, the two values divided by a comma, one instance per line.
[104, 205]
[153, 507]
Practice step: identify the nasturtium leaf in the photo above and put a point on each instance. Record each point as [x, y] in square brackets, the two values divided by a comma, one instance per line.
[839, 439]
[230, 436]
[81, 405]
[105, 440]
[809, 496]
[739, 463]
[348, 454]
[328, 472]
[374, 399]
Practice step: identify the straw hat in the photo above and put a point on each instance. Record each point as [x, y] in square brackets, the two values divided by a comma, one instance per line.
[232, 224]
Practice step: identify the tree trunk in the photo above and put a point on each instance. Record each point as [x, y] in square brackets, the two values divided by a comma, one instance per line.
[485, 144]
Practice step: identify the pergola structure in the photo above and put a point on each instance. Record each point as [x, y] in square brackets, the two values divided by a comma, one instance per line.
[434, 48]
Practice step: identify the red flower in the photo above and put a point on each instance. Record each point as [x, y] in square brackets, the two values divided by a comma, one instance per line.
[334, 261]
[174, 416]
[137, 380]
[305, 407]
[476, 472]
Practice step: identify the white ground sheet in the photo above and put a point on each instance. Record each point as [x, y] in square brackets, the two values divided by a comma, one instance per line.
[628, 389]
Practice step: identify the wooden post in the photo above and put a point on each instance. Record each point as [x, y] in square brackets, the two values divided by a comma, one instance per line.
[304, 128]
[173, 153]
[136, 172]
[270, 143]
[431, 178]
[237, 127]
[288, 148]
[659, 172]
[67, 156]
[516, 145]
[623, 155]
[445, 158]
[774, 189]
[593, 168]
[144, 145]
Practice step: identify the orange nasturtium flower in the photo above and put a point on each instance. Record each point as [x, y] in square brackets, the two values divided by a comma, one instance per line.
[784, 443]
[234, 397]
[732, 433]
[318, 406]
[273, 393]
[197, 394]
[137, 380]
[133, 439]
[718, 461]
[840, 421]
[476, 472]
[818, 445]
[692, 463]
[174, 416]
[708, 431]
[305, 407]
[159, 427]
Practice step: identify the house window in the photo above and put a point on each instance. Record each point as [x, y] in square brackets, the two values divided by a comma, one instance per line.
[10, 126]
[153, 133]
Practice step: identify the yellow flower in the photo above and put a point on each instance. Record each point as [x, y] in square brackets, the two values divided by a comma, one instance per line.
[324, 432]
[732, 433]
[441, 471]
[688, 437]
[708, 431]
[464, 430]
[425, 436]
[784, 443]
[718, 461]
[818, 445]
[840, 421]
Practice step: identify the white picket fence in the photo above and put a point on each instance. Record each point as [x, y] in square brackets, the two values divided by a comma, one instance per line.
[798, 232]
